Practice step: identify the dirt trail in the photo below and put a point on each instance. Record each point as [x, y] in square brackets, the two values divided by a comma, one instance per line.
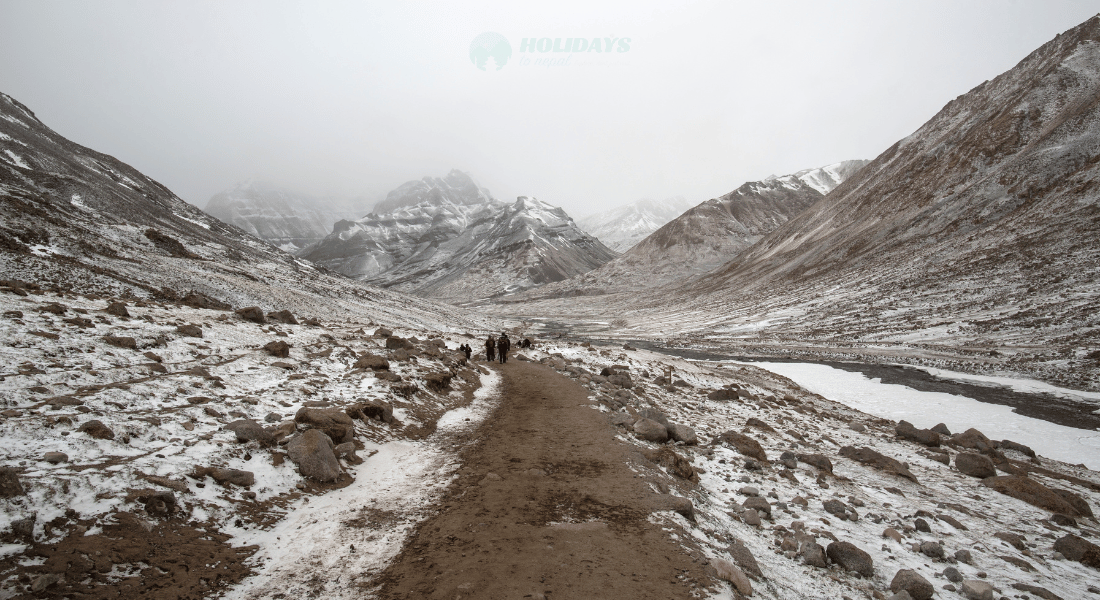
[545, 506]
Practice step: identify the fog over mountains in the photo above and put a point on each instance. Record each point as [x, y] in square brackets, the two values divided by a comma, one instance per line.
[621, 227]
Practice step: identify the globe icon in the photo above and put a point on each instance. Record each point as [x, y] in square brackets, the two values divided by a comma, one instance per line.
[490, 44]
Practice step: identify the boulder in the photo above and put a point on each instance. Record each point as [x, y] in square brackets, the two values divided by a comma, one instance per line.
[818, 461]
[189, 331]
[1077, 502]
[683, 433]
[372, 361]
[118, 309]
[438, 382]
[97, 429]
[196, 300]
[953, 575]
[1080, 550]
[621, 419]
[727, 571]
[621, 380]
[811, 553]
[906, 430]
[910, 581]
[160, 504]
[677, 504]
[840, 510]
[973, 589]
[124, 342]
[397, 343]
[720, 394]
[744, 444]
[851, 558]
[932, 550]
[651, 431]
[226, 476]
[760, 505]
[744, 559]
[871, 458]
[378, 410]
[55, 457]
[974, 465]
[248, 430]
[251, 313]
[278, 349]
[382, 332]
[654, 415]
[941, 429]
[313, 452]
[335, 424]
[1022, 449]
[283, 316]
[675, 464]
[973, 439]
[10, 486]
[1032, 492]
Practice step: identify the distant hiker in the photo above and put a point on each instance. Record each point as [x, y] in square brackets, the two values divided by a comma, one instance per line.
[467, 350]
[526, 343]
[503, 344]
[490, 348]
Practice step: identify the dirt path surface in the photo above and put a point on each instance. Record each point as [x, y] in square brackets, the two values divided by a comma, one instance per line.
[546, 506]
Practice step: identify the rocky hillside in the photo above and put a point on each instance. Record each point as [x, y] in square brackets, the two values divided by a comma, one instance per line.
[979, 230]
[449, 238]
[289, 220]
[75, 219]
[710, 234]
[622, 227]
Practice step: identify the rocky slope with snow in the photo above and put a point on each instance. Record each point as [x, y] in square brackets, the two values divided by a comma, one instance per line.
[74, 219]
[448, 238]
[970, 245]
[290, 220]
[709, 234]
[624, 226]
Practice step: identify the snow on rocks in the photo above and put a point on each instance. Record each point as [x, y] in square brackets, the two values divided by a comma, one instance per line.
[788, 474]
[188, 434]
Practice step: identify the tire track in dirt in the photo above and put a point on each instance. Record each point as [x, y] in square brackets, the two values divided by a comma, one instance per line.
[546, 506]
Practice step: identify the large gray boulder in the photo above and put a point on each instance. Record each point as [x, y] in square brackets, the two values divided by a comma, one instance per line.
[974, 465]
[683, 433]
[336, 424]
[910, 581]
[851, 558]
[313, 452]
[651, 431]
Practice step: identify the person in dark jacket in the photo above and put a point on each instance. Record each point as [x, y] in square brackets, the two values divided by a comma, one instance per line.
[490, 348]
[503, 344]
[467, 350]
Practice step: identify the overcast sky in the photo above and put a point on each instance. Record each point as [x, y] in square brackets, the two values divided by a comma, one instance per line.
[354, 99]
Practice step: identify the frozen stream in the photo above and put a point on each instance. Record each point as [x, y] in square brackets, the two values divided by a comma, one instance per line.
[925, 409]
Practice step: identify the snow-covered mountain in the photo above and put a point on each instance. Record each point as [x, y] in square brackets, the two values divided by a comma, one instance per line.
[73, 218]
[449, 238]
[710, 234]
[288, 219]
[622, 227]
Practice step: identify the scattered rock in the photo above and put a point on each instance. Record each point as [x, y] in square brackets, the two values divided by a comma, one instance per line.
[857, 427]
[1022, 449]
[97, 429]
[251, 313]
[757, 423]
[397, 343]
[621, 419]
[744, 558]
[840, 510]
[751, 517]
[760, 505]
[910, 581]
[196, 300]
[1041, 592]
[437, 382]
[23, 529]
[160, 504]
[744, 444]
[654, 415]
[892, 533]
[941, 429]
[378, 410]
[676, 504]
[932, 550]
[952, 574]
[811, 553]
[851, 558]
[313, 452]
[921, 525]
[1077, 502]
[973, 439]
[278, 349]
[1012, 539]
[974, 465]
[818, 461]
[963, 555]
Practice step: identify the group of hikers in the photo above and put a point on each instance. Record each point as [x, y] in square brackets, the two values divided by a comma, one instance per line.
[496, 348]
